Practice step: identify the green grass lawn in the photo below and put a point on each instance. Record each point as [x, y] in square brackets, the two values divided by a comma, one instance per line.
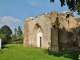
[19, 52]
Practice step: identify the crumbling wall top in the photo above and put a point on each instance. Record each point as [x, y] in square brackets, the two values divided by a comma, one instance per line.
[28, 19]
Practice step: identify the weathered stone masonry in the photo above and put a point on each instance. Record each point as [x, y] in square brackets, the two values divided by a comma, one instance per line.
[51, 31]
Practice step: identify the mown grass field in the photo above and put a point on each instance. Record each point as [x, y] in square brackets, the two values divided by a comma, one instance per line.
[18, 52]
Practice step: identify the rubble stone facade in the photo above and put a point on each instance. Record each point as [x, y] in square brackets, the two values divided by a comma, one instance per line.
[53, 30]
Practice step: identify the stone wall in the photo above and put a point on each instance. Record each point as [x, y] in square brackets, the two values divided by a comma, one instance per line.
[59, 31]
[54, 31]
[44, 23]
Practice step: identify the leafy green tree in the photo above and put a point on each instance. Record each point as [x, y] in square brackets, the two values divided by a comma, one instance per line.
[5, 30]
[78, 8]
[73, 5]
[2, 36]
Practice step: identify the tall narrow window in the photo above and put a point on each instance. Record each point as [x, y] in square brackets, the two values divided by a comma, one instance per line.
[67, 24]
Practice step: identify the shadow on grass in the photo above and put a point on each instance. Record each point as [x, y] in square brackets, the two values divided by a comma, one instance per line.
[4, 47]
[67, 54]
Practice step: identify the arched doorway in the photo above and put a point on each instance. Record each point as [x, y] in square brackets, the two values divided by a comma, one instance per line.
[38, 39]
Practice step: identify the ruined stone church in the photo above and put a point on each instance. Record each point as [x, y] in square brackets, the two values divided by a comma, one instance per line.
[55, 31]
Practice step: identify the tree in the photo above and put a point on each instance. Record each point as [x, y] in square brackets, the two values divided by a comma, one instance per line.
[5, 30]
[78, 8]
[15, 31]
[17, 37]
[73, 5]
[2, 36]
[19, 31]
[14, 36]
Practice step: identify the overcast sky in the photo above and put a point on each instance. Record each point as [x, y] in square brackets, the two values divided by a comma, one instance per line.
[13, 12]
